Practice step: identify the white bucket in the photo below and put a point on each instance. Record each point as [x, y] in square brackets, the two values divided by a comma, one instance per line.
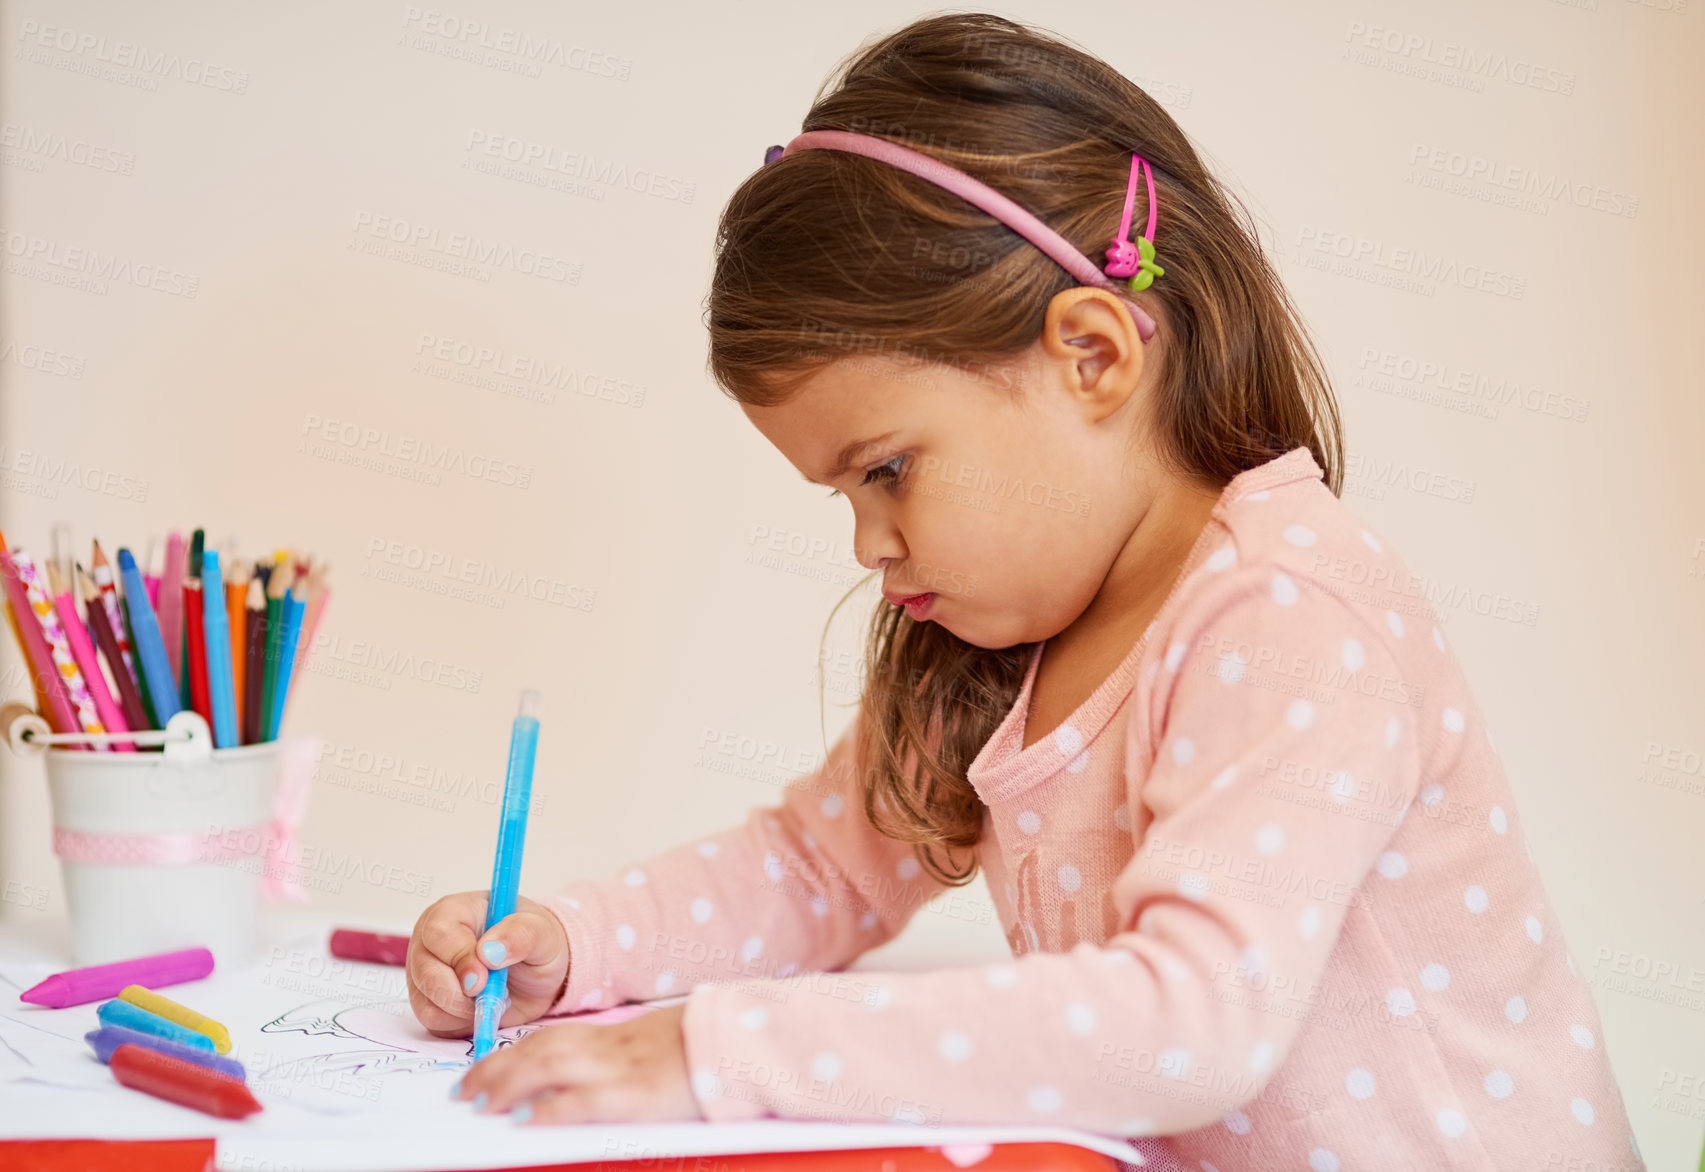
[188, 797]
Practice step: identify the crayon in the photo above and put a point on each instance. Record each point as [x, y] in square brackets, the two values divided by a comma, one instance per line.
[109, 1038]
[162, 1006]
[100, 981]
[119, 1012]
[182, 1082]
[373, 947]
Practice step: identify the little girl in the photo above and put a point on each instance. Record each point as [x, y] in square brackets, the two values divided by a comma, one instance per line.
[1266, 888]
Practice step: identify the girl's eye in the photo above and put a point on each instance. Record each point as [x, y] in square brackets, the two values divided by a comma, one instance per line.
[889, 472]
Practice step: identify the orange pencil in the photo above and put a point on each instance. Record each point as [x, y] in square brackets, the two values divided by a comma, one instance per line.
[236, 592]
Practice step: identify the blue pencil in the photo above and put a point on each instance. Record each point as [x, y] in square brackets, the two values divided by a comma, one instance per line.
[156, 669]
[506, 870]
[216, 628]
[295, 603]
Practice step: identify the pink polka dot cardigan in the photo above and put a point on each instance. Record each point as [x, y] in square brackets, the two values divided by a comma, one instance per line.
[1267, 894]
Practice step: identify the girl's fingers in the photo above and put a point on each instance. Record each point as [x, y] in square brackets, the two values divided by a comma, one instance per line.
[522, 938]
[546, 1060]
[433, 992]
[600, 1103]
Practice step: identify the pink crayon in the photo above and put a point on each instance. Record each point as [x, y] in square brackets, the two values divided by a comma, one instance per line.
[101, 981]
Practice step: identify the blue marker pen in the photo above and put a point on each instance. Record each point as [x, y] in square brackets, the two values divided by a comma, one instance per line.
[152, 662]
[506, 871]
[216, 625]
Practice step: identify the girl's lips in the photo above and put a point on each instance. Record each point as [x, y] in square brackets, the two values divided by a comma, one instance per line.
[917, 606]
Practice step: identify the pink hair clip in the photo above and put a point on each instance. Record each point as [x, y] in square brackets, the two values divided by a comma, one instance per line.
[1135, 260]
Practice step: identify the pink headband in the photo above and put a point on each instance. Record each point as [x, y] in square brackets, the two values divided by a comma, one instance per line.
[1125, 259]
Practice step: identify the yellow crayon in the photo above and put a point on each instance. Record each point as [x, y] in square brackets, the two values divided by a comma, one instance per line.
[144, 998]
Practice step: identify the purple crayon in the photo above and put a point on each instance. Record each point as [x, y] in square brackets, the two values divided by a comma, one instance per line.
[101, 981]
[109, 1038]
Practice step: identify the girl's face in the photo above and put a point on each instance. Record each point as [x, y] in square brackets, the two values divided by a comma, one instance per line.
[998, 498]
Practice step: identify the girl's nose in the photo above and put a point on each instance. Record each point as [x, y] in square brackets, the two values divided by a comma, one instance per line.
[876, 543]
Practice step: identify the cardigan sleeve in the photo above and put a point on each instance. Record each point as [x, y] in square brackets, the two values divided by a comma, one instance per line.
[804, 885]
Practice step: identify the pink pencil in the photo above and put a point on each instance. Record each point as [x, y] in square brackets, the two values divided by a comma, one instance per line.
[83, 651]
[98, 982]
[59, 714]
[171, 607]
[39, 593]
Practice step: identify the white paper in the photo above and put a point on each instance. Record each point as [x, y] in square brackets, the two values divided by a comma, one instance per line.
[351, 1082]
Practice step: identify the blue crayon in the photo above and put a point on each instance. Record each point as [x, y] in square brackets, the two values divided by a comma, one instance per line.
[152, 663]
[221, 691]
[134, 1017]
[109, 1038]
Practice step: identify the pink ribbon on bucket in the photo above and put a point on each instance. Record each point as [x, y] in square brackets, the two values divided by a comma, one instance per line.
[274, 840]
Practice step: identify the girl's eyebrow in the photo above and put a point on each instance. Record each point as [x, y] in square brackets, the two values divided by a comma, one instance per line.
[844, 461]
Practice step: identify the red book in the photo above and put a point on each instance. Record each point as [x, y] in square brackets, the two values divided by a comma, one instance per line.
[185, 1083]
[195, 634]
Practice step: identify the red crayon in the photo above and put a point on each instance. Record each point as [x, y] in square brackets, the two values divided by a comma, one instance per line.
[376, 947]
[101, 981]
[166, 1077]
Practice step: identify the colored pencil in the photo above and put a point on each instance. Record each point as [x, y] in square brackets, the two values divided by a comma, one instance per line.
[170, 608]
[276, 588]
[107, 581]
[254, 638]
[82, 701]
[217, 685]
[18, 634]
[236, 618]
[295, 604]
[100, 625]
[83, 651]
[58, 713]
[317, 593]
[147, 640]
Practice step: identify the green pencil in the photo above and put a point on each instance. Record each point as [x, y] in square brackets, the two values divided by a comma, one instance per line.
[276, 587]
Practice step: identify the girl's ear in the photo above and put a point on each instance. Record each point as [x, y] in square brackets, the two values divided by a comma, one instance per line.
[1092, 346]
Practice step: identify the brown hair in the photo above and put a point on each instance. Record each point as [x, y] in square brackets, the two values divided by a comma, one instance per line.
[818, 260]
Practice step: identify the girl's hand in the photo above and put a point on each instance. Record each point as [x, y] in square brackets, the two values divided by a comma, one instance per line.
[450, 953]
[578, 1072]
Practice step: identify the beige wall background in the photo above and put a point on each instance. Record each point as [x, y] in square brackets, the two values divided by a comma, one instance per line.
[236, 294]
